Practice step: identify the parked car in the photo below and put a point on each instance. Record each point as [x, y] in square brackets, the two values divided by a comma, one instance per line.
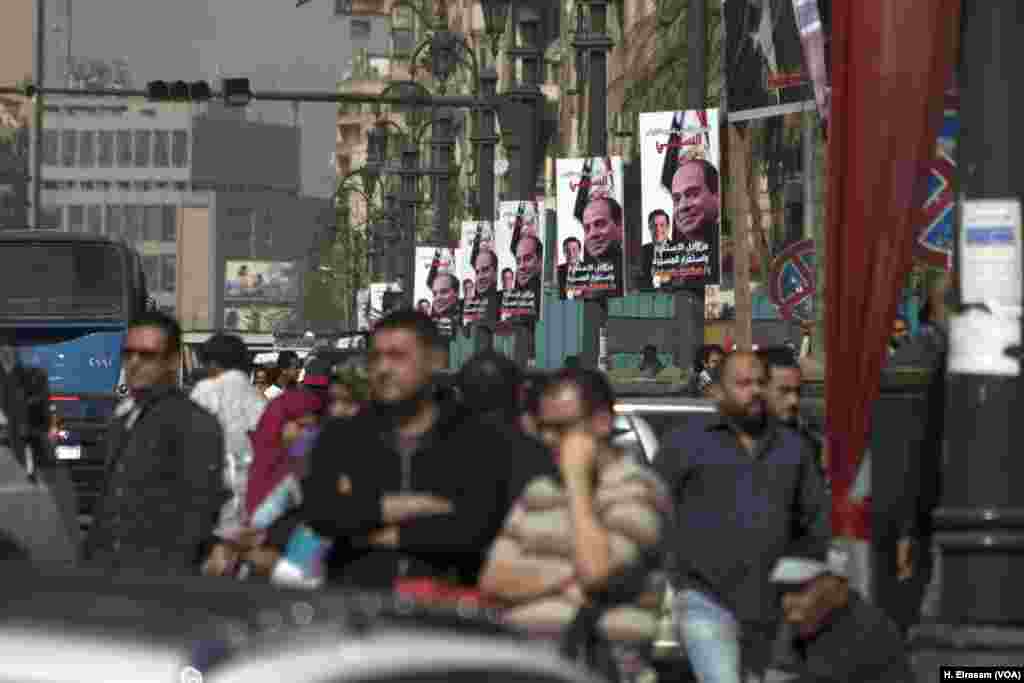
[61, 626]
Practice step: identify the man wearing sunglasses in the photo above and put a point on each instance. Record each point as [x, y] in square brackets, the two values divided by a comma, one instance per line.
[163, 485]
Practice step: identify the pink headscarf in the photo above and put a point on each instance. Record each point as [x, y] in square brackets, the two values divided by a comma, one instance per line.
[270, 462]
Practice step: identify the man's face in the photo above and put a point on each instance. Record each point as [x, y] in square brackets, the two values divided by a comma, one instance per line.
[424, 307]
[399, 366]
[444, 295]
[808, 607]
[899, 332]
[714, 360]
[147, 361]
[560, 411]
[260, 380]
[782, 396]
[288, 376]
[694, 203]
[659, 228]
[527, 261]
[599, 231]
[742, 392]
[486, 272]
[469, 289]
[508, 279]
[572, 252]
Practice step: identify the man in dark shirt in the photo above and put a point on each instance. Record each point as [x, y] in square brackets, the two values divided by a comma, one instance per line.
[745, 488]
[412, 487]
[830, 634]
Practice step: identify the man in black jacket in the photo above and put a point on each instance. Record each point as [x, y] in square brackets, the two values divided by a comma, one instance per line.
[164, 484]
[412, 487]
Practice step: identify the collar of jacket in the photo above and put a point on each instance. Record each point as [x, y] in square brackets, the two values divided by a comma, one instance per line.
[724, 422]
[449, 417]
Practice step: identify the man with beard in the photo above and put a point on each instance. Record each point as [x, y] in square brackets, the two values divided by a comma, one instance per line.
[746, 489]
[691, 259]
[445, 311]
[571, 248]
[602, 249]
[782, 398]
[524, 299]
[402, 488]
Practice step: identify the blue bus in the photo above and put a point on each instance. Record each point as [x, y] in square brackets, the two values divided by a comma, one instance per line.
[65, 305]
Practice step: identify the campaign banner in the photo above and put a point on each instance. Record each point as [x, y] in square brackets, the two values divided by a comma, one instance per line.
[680, 199]
[591, 263]
[255, 317]
[437, 287]
[371, 304]
[521, 228]
[764, 55]
[363, 309]
[481, 260]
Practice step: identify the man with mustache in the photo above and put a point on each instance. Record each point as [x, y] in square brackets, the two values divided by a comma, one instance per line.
[602, 247]
[571, 248]
[524, 298]
[401, 488]
[658, 223]
[695, 229]
[445, 310]
[746, 489]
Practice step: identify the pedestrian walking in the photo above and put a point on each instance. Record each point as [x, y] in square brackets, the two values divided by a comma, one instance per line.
[745, 489]
[163, 482]
[288, 369]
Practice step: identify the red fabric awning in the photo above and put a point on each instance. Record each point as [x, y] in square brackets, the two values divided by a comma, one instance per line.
[891, 63]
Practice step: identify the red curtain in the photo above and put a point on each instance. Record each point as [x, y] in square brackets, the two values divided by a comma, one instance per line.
[890, 67]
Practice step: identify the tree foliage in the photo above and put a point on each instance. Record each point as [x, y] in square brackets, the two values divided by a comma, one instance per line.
[330, 291]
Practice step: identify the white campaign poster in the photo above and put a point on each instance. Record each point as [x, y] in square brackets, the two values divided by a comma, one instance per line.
[363, 310]
[437, 288]
[591, 262]
[481, 259]
[376, 301]
[520, 232]
[680, 197]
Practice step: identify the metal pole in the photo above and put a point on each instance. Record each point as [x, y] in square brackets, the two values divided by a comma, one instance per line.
[410, 170]
[595, 314]
[441, 143]
[37, 124]
[483, 336]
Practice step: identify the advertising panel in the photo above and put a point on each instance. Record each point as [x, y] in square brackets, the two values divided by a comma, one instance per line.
[263, 282]
[520, 230]
[591, 224]
[437, 287]
[255, 317]
[680, 197]
[481, 260]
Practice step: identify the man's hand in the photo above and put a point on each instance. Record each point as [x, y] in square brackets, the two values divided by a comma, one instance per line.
[221, 561]
[905, 559]
[578, 456]
[403, 507]
[262, 559]
[386, 537]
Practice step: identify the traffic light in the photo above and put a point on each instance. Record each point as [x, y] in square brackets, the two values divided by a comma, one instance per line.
[178, 91]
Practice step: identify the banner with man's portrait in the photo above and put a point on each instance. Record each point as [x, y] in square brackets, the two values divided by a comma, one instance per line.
[480, 261]
[680, 199]
[591, 262]
[520, 233]
[437, 287]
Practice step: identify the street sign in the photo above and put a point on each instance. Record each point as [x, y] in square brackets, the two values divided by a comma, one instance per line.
[791, 282]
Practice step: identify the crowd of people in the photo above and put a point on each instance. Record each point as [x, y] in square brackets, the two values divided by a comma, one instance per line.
[503, 488]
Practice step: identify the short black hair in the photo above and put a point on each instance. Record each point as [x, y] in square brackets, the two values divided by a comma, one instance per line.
[413, 321]
[225, 351]
[288, 360]
[506, 270]
[494, 257]
[167, 324]
[778, 357]
[704, 353]
[710, 173]
[490, 382]
[654, 214]
[614, 208]
[569, 240]
[594, 389]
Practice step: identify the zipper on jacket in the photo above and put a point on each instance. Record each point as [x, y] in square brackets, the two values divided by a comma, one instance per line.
[403, 562]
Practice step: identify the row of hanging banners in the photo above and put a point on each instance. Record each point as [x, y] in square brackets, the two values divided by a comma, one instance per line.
[494, 274]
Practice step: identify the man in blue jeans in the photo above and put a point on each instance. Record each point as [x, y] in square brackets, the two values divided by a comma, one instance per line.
[746, 487]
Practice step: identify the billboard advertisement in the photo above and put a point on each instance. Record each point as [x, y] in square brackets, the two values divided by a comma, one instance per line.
[480, 262]
[764, 55]
[437, 288]
[591, 240]
[261, 282]
[520, 231]
[680, 198]
[255, 317]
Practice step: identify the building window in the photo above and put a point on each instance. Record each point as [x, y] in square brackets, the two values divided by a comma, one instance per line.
[142, 138]
[130, 230]
[342, 8]
[360, 29]
[94, 219]
[105, 158]
[51, 218]
[179, 148]
[51, 147]
[68, 148]
[168, 272]
[86, 149]
[115, 220]
[151, 267]
[152, 228]
[170, 224]
[124, 148]
[161, 149]
[76, 218]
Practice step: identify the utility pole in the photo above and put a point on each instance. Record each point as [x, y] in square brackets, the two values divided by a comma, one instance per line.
[38, 109]
[978, 521]
[483, 336]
